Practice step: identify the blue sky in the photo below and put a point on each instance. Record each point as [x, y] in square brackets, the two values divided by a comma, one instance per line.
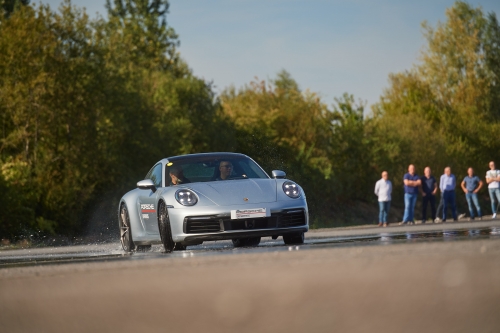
[329, 47]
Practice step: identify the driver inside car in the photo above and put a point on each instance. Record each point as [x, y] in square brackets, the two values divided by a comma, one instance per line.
[225, 169]
[177, 176]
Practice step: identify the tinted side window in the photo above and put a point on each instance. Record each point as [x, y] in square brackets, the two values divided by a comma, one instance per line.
[148, 176]
[156, 175]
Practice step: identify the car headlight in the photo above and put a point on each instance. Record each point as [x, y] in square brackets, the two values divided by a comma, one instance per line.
[291, 189]
[186, 197]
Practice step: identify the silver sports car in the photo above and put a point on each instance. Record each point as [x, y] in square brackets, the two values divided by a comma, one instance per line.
[186, 200]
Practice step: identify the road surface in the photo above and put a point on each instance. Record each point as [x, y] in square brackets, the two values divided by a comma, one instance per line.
[432, 278]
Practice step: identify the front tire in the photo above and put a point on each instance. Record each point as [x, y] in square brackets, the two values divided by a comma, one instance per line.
[164, 228]
[293, 239]
[125, 230]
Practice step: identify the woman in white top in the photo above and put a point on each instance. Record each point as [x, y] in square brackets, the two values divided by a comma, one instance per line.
[383, 190]
[492, 179]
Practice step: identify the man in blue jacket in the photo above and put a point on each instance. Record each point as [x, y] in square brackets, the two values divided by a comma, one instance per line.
[412, 182]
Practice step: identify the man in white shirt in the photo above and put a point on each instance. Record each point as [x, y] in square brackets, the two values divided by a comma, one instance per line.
[493, 181]
[447, 186]
[383, 190]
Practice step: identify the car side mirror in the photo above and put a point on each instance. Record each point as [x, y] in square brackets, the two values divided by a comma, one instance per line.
[146, 184]
[278, 174]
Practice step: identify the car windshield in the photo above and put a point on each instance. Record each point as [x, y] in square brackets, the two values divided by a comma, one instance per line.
[209, 168]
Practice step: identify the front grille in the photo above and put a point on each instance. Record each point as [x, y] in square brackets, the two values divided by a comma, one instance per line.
[211, 224]
[201, 225]
[292, 219]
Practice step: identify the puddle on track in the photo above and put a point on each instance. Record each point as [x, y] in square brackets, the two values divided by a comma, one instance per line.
[113, 253]
[382, 238]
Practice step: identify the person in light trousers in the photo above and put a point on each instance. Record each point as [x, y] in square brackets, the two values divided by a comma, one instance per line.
[493, 181]
[383, 190]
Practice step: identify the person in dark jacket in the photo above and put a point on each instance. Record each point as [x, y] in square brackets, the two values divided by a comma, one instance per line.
[429, 189]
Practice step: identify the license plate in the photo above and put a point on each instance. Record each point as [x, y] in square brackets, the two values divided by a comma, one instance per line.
[248, 213]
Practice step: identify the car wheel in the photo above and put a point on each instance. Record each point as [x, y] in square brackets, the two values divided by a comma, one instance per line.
[290, 239]
[164, 227]
[242, 242]
[143, 248]
[125, 230]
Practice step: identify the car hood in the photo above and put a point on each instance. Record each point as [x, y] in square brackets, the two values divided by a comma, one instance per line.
[234, 192]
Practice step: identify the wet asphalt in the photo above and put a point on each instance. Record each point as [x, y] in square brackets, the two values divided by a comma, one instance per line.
[370, 235]
[421, 278]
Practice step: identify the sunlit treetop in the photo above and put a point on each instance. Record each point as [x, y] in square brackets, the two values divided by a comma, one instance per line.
[8, 6]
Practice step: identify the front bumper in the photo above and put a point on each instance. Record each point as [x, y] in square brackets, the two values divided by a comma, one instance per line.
[194, 226]
[243, 234]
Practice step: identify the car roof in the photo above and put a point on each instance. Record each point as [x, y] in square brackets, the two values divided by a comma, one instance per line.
[200, 155]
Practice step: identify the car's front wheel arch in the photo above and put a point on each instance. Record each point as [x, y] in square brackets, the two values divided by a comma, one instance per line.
[125, 228]
[164, 227]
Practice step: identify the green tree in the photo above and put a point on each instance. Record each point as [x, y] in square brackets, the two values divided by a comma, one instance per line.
[139, 28]
[444, 111]
[283, 116]
[88, 106]
[492, 58]
[8, 6]
[350, 150]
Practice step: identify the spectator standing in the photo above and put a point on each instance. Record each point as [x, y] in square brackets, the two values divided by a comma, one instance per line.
[429, 189]
[411, 182]
[383, 190]
[439, 211]
[471, 185]
[493, 178]
[447, 186]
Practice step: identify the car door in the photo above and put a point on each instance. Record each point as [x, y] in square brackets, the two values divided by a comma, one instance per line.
[147, 201]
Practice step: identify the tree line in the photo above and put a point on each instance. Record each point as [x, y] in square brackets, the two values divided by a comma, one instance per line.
[88, 105]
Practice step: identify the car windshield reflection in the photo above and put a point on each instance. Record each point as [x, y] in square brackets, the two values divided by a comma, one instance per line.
[184, 170]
